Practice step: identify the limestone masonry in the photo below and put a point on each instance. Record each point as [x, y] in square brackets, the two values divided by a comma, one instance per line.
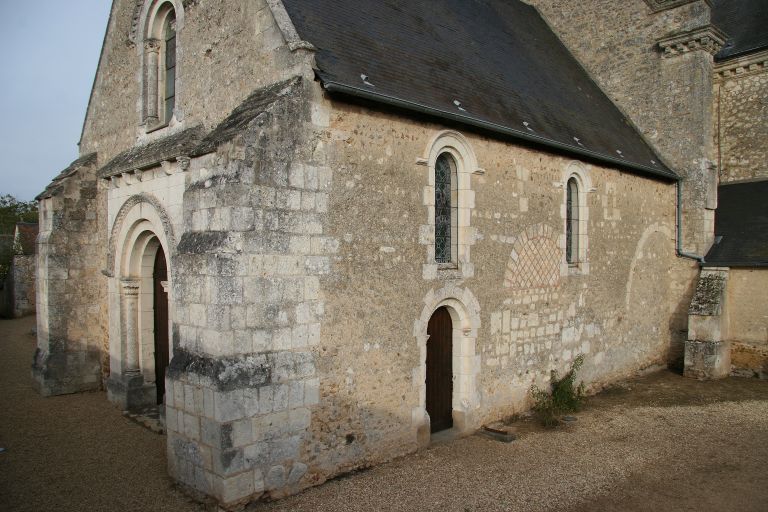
[310, 277]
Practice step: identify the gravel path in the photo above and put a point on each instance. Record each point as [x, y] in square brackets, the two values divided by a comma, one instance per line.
[76, 452]
[656, 443]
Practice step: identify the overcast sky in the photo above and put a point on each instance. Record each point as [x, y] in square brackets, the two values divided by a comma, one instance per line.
[51, 49]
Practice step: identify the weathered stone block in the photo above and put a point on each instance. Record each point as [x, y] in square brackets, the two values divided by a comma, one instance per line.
[705, 360]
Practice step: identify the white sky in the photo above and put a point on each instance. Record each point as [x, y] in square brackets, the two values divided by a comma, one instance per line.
[50, 52]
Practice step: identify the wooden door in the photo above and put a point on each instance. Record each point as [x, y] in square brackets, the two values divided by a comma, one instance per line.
[160, 303]
[440, 370]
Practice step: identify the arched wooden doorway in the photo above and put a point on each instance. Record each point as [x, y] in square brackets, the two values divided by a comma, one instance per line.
[439, 380]
[160, 303]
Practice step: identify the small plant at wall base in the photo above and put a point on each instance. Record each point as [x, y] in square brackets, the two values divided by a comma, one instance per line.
[563, 397]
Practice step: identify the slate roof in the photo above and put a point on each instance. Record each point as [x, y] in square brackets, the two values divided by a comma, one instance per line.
[745, 22]
[741, 220]
[493, 64]
[167, 148]
[243, 115]
[196, 141]
[55, 184]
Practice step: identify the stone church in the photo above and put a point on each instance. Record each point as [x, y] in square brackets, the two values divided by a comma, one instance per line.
[315, 233]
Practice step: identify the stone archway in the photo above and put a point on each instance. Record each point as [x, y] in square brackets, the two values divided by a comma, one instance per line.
[138, 238]
[464, 311]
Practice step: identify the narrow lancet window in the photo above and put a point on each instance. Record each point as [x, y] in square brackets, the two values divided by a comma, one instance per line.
[446, 209]
[572, 222]
[169, 34]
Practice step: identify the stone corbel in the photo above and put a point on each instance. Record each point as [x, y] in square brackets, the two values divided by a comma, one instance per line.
[167, 167]
[751, 64]
[184, 162]
[708, 38]
[129, 177]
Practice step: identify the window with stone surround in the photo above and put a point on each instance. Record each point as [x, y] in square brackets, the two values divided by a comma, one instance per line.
[575, 213]
[448, 200]
[572, 222]
[159, 65]
[446, 209]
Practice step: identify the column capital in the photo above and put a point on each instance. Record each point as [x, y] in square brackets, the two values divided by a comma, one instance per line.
[129, 287]
[152, 45]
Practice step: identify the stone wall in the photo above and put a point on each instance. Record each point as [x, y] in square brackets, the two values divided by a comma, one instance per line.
[741, 89]
[71, 290]
[665, 89]
[521, 311]
[748, 321]
[243, 380]
[225, 50]
[23, 279]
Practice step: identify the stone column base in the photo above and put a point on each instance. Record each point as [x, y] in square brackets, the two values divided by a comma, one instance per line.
[130, 393]
[707, 360]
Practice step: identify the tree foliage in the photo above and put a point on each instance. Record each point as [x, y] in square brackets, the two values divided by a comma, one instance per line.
[12, 211]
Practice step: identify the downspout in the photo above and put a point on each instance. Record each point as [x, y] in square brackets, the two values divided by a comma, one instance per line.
[679, 208]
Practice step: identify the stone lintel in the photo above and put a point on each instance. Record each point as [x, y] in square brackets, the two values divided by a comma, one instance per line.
[707, 38]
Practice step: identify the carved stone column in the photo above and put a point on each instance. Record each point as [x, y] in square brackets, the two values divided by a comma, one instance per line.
[128, 389]
[152, 76]
[129, 320]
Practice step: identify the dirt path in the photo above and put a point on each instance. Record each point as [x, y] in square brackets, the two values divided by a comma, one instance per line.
[76, 452]
[656, 443]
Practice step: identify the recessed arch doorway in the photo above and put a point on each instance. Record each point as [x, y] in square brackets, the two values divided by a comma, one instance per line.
[439, 379]
[141, 306]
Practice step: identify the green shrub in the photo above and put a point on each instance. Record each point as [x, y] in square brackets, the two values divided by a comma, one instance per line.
[562, 398]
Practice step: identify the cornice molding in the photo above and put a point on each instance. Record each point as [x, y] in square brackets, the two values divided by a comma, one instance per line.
[663, 5]
[742, 66]
[708, 38]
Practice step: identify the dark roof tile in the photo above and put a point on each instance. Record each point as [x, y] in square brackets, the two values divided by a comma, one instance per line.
[494, 64]
[741, 226]
[745, 22]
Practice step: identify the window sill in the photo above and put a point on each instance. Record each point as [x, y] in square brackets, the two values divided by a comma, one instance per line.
[156, 126]
[447, 266]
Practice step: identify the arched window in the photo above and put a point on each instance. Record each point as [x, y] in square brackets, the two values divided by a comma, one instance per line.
[169, 34]
[160, 65]
[572, 222]
[446, 209]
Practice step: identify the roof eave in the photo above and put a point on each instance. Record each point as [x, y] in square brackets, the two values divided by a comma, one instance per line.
[340, 88]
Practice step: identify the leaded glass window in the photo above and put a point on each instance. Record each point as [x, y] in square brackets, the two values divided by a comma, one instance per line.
[169, 34]
[445, 209]
[572, 222]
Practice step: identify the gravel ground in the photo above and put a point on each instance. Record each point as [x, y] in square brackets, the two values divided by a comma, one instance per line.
[659, 442]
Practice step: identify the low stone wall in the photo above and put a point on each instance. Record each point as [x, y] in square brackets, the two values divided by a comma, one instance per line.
[748, 321]
[23, 294]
